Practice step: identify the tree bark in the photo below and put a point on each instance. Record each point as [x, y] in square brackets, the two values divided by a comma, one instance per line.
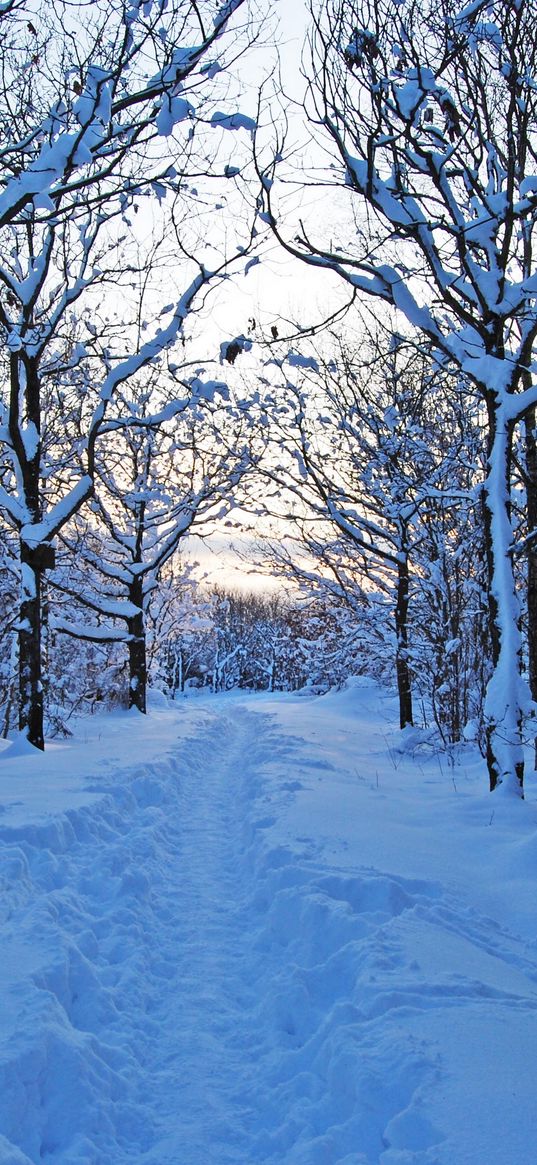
[30, 664]
[25, 406]
[404, 684]
[531, 496]
[137, 650]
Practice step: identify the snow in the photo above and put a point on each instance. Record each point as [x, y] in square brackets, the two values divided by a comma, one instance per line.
[233, 121]
[96, 101]
[249, 930]
[409, 97]
[297, 360]
[172, 111]
[35, 533]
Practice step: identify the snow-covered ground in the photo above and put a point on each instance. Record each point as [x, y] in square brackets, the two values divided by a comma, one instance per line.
[250, 930]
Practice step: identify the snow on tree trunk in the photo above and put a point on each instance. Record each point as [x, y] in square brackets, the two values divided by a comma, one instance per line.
[507, 699]
[26, 442]
[531, 495]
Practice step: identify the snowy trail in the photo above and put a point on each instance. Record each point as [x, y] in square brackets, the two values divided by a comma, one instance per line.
[241, 951]
[149, 1040]
[202, 1070]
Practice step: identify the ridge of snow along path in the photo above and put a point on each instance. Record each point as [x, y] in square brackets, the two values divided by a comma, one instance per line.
[264, 929]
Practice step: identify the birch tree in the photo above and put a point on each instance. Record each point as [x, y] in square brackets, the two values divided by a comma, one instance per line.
[428, 112]
[104, 108]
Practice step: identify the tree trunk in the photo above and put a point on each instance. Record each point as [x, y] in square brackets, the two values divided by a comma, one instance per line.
[531, 494]
[458, 693]
[137, 650]
[30, 665]
[25, 404]
[404, 685]
[506, 691]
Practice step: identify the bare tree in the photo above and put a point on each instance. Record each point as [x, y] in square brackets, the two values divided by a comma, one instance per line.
[171, 469]
[369, 443]
[103, 107]
[429, 114]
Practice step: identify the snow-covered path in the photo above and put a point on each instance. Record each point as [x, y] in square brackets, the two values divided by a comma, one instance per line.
[149, 1040]
[243, 936]
[203, 1069]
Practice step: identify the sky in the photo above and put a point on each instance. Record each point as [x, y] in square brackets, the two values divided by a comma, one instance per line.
[278, 290]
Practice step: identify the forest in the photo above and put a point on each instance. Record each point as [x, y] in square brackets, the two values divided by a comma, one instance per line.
[376, 451]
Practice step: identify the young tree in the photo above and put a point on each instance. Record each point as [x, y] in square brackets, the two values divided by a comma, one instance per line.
[429, 110]
[178, 624]
[451, 653]
[101, 105]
